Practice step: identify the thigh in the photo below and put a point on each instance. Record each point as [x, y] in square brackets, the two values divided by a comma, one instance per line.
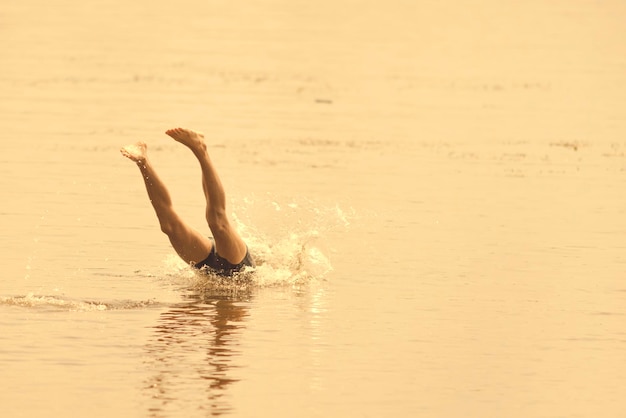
[191, 245]
[229, 245]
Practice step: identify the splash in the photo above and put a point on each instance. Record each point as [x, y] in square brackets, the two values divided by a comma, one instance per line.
[290, 242]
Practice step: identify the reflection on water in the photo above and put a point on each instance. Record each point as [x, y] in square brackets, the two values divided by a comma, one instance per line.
[193, 352]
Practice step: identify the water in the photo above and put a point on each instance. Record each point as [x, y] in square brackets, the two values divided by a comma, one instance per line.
[434, 193]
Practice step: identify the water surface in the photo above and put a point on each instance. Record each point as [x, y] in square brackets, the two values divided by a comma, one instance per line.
[434, 195]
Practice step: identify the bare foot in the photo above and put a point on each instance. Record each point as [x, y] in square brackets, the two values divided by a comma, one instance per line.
[137, 152]
[192, 139]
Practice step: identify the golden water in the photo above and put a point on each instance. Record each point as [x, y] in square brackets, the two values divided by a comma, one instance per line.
[434, 191]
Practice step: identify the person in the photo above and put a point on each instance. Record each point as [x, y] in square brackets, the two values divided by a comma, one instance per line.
[225, 253]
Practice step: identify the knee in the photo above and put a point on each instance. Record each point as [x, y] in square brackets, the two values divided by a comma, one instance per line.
[218, 221]
[169, 228]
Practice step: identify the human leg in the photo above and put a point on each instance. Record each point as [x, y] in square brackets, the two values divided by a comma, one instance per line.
[191, 245]
[228, 243]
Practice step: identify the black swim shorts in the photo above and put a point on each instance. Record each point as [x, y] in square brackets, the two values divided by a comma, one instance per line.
[216, 264]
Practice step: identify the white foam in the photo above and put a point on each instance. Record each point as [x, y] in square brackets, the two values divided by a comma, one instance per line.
[51, 302]
[55, 303]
